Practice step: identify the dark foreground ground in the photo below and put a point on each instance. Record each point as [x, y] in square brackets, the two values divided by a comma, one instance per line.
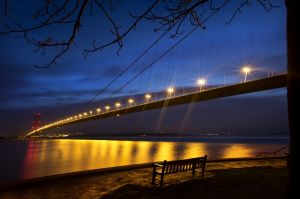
[237, 179]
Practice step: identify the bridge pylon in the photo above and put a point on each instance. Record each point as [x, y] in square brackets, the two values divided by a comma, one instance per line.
[36, 123]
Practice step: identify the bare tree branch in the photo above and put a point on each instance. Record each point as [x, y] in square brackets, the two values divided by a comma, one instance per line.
[237, 10]
[5, 7]
[115, 32]
[178, 12]
[267, 4]
[67, 44]
[168, 14]
[51, 20]
[120, 37]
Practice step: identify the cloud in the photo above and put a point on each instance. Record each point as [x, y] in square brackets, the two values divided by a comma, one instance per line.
[26, 86]
[13, 78]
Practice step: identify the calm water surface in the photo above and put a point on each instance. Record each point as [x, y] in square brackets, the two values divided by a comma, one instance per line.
[23, 159]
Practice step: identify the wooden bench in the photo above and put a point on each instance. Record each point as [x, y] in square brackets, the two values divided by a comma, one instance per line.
[169, 167]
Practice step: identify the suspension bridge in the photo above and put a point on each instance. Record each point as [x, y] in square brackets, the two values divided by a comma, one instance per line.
[274, 82]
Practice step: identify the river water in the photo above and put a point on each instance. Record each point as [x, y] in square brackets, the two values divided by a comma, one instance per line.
[23, 159]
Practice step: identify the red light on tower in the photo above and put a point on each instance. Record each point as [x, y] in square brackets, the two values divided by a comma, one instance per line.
[36, 121]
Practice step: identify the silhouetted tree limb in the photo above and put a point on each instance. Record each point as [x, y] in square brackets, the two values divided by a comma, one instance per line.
[65, 44]
[5, 7]
[118, 36]
[266, 4]
[168, 14]
[237, 10]
[59, 16]
[115, 32]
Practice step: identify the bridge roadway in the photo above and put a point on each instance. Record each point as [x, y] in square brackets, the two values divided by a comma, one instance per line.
[269, 83]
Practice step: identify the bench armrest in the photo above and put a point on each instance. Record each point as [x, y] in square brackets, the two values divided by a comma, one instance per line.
[158, 165]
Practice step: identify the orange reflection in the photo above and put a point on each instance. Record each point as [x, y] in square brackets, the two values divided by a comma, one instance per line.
[237, 150]
[127, 147]
[144, 151]
[195, 150]
[47, 157]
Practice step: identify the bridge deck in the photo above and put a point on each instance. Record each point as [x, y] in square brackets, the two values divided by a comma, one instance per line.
[274, 82]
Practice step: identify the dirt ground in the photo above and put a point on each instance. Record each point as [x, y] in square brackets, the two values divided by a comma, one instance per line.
[234, 179]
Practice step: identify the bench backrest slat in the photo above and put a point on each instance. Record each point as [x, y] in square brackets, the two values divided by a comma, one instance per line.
[183, 165]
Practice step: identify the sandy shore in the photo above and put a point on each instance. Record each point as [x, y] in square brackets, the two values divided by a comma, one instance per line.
[267, 174]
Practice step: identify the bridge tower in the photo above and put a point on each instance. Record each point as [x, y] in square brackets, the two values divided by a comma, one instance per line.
[36, 123]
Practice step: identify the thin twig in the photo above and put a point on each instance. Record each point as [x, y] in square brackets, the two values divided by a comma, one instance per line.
[5, 7]
[67, 44]
[237, 10]
[117, 40]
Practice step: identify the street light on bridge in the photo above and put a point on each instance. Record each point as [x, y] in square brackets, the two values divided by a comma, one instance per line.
[118, 104]
[130, 101]
[107, 108]
[201, 82]
[170, 91]
[148, 97]
[91, 112]
[98, 110]
[246, 70]
[85, 114]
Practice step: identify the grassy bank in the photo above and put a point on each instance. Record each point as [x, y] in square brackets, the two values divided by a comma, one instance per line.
[264, 178]
[259, 182]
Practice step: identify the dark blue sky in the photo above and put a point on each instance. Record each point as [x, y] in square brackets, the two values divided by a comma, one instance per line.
[254, 37]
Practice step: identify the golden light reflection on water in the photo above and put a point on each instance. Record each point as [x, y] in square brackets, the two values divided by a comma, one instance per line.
[165, 151]
[237, 150]
[195, 150]
[46, 157]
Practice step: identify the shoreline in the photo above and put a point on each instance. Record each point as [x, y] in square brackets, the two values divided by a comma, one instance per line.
[243, 139]
[229, 178]
[85, 173]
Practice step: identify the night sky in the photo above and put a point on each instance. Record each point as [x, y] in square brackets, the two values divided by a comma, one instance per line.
[255, 37]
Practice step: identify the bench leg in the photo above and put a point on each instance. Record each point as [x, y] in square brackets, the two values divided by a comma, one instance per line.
[193, 169]
[154, 175]
[162, 180]
[153, 178]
